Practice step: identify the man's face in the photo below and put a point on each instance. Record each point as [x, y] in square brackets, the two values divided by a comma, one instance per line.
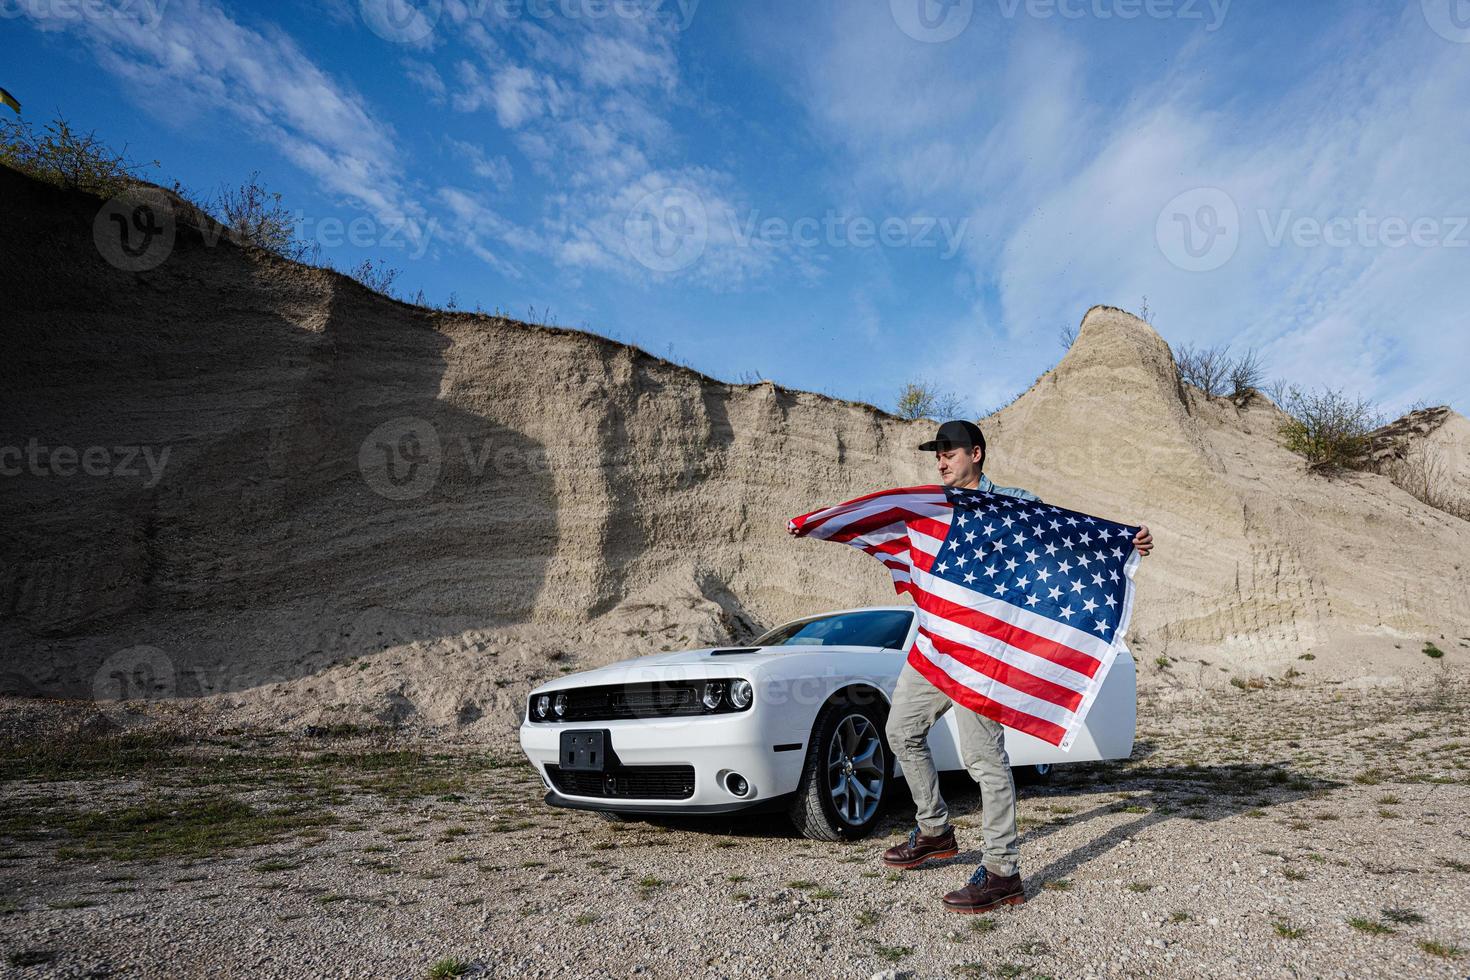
[959, 467]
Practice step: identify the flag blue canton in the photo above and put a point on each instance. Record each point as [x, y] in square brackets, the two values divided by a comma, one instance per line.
[1057, 563]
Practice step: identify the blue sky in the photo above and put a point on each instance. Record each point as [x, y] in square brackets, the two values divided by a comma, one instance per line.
[839, 196]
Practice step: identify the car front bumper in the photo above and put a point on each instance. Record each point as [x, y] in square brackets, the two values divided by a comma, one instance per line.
[712, 746]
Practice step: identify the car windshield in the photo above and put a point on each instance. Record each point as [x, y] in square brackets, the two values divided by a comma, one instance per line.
[873, 628]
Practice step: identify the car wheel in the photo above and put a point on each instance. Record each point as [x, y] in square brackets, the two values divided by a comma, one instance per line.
[848, 770]
[1037, 775]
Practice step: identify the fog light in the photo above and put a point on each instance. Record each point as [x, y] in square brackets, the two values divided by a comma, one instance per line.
[741, 694]
[713, 692]
[543, 705]
[560, 705]
[736, 784]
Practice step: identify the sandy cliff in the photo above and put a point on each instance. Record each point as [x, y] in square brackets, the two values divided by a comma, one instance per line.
[369, 509]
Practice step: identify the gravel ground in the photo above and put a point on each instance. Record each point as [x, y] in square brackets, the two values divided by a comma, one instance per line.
[1279, 832]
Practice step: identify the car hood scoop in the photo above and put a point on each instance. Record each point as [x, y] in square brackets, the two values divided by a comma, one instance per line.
[731, 651]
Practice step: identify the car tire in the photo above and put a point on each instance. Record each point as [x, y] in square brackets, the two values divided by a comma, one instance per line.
[824, 810]
[1038, 775]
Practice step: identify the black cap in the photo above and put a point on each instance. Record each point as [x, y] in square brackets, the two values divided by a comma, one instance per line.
[955, 434]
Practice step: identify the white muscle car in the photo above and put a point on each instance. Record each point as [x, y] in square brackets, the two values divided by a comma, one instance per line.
[794, 721]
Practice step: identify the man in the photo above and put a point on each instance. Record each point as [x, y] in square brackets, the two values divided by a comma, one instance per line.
[959, 451]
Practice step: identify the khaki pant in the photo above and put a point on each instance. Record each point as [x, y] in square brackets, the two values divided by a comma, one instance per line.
[917, 705]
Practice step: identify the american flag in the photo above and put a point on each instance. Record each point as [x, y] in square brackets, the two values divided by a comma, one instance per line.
[1022, 605]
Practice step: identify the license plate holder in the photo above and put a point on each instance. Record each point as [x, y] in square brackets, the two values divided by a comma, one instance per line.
[584, 751]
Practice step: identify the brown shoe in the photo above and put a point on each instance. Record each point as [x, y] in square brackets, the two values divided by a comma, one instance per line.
[985, 891]
[920, 849]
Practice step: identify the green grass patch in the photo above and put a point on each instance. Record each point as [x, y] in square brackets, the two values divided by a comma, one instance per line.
[1371, 927]
[1286, 930]
[447, 968]
[1442, 950]
[194, 828]
[892, 953]
[1432, 652]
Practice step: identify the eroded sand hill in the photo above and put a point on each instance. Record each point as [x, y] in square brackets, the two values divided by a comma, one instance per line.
[372, 511]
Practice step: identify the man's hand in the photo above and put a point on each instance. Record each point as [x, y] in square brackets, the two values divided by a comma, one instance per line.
[1144, 540]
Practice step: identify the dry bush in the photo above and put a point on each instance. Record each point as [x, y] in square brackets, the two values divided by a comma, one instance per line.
[255, 216]
[65, 158]
[1207, 368]
[1330, 429]
[1246, 374]
[923, 400]
[377, 276]
[1422, 474]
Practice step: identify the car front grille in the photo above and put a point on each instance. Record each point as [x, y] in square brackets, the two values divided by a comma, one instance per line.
[626, 782]
[617, 702]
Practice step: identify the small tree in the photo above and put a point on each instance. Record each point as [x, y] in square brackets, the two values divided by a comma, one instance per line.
[255, 216]
[923, 400]
[1068, 336]
[1207, 368]
[1330, 429]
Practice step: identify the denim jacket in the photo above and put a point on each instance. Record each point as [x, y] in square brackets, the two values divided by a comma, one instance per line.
[986, 486]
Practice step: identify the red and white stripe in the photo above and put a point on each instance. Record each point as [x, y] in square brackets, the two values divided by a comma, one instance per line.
[1000, 660]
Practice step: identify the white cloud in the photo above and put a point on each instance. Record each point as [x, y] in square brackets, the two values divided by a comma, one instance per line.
[588, 104]
[199, 55]
[1064, 172]
[494, 169]
[425, 76]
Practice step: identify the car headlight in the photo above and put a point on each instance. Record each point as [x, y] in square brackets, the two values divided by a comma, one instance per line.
[543, 706]
[741, 694]
[560, 705]
[714, 691]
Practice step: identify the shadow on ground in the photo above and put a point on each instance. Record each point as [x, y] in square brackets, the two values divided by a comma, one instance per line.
[1150, 795]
